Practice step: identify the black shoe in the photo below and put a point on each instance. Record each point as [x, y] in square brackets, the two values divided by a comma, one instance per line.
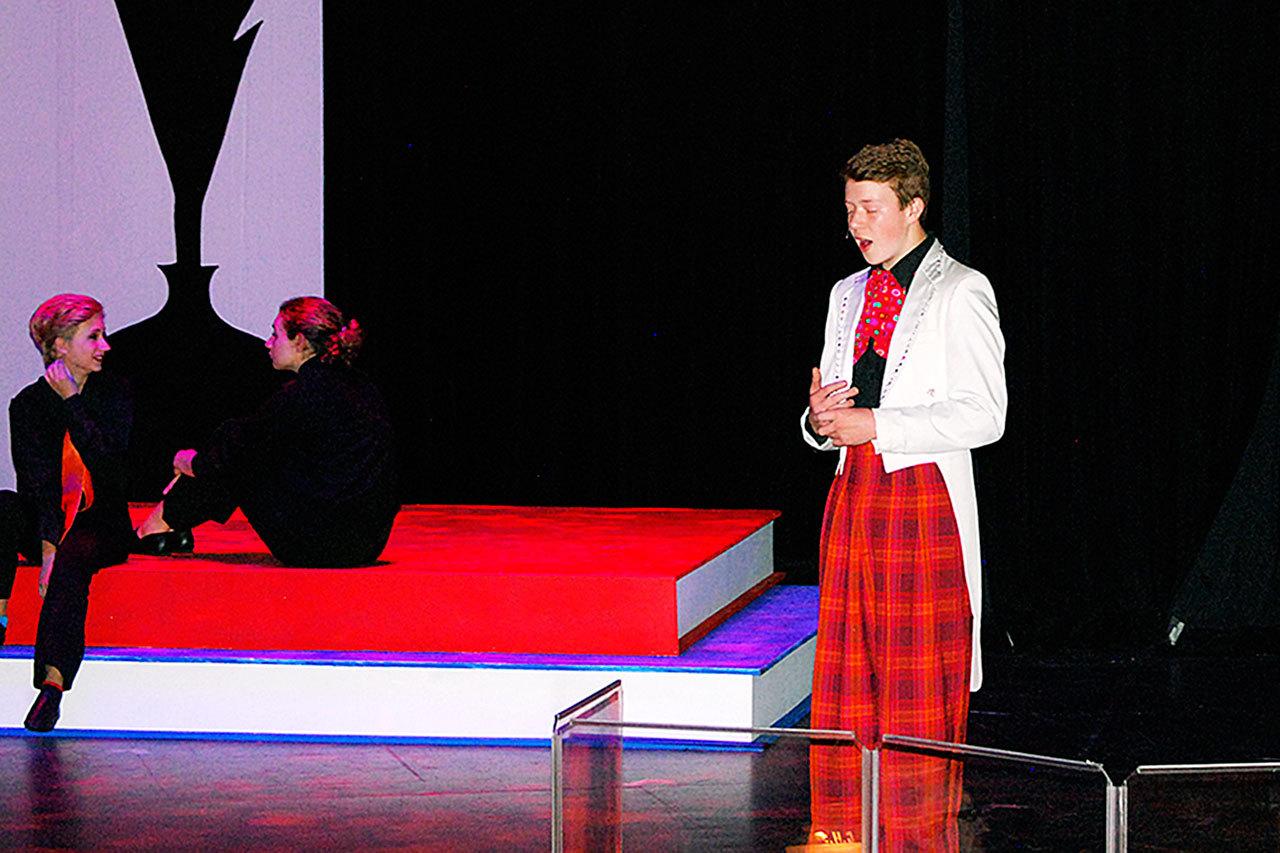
[45, 711]
[163, 544]
[4, 629]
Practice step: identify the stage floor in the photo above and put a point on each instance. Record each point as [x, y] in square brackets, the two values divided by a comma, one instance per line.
[151, 795]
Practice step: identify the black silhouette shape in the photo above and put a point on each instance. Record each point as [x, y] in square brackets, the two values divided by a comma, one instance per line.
[1234, 584]
[189, 369]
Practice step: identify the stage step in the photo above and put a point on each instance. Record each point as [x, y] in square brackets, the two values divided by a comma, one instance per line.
[753, 670]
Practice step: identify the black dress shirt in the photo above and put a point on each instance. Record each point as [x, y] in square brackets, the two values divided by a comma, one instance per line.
[99, 419]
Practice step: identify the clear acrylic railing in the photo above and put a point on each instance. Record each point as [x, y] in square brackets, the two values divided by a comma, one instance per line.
[620, 784]
[1204, 806]
[933, 795]
[690, 787]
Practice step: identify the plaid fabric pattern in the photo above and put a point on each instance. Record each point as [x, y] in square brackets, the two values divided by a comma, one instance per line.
[893, 649]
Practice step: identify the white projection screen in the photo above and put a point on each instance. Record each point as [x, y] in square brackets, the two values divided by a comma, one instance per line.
[85, 199]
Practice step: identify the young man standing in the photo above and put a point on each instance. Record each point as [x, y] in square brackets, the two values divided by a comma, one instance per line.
[911, 379]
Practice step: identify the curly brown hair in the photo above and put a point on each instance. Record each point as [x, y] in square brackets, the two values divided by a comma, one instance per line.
[333, 336]
[899, 163]
[57, 317]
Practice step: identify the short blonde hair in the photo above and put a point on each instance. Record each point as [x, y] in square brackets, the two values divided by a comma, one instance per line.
[57, 317]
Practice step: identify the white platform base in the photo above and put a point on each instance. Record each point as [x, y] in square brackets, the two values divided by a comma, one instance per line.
[752, 671]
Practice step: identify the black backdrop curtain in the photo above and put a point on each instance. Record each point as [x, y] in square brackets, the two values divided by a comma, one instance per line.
[592, 244]
[1122, 186]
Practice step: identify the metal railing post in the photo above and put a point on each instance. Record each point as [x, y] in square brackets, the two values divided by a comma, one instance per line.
[870, 799]
[563, 723]
[1117, 817]
[557, 791]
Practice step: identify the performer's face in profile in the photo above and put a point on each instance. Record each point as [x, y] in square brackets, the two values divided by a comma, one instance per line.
[286, 353]
[880, 226]
[82, 351]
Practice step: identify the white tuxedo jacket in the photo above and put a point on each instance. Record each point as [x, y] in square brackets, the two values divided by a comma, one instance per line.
[943, 391]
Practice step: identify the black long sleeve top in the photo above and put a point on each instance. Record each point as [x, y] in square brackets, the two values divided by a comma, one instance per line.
[321, 447]
[99, 420]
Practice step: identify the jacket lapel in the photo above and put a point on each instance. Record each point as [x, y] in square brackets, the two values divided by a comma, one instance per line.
[919, 295]
[850, 314]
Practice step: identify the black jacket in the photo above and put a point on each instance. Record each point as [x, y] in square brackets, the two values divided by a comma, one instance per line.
[319, 455]
[99, 419]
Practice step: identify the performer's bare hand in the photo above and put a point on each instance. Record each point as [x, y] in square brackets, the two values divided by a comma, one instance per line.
[182, 462]
[823, 398]
[61, 380]
[846, 427]
[47, 552]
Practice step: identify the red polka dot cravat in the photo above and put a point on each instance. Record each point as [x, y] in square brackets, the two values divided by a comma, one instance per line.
[881, 306]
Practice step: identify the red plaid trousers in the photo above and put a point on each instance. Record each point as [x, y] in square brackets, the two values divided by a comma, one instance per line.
[893, 649]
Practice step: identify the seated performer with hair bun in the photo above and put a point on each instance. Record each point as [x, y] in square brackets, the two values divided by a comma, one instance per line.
[70, 432]
[313, 470]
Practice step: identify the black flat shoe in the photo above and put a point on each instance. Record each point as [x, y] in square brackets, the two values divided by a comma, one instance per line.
[44, 713]
[164, 544]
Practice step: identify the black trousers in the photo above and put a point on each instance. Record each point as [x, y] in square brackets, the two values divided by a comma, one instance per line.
[86, 548]
[294, 536]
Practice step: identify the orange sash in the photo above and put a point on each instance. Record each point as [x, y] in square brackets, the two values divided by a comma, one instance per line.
[76, 483]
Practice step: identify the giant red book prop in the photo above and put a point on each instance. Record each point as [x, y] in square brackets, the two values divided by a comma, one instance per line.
[453, 578]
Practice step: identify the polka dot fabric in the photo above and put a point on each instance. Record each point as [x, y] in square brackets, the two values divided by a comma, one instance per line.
[880, 310]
